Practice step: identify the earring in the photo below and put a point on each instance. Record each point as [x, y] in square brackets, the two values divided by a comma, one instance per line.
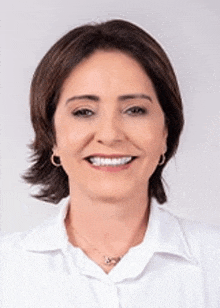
[55, 160]
[162, 161]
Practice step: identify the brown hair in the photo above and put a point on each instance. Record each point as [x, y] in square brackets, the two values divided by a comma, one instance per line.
[57, 65]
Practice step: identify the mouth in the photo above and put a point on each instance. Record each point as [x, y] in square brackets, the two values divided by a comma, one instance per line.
[110, 162]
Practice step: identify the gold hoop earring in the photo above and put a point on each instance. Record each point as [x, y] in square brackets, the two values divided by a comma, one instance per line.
[162, 161]
[55, 160]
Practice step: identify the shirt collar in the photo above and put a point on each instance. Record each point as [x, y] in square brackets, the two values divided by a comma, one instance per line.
[50, 235]
[164, 234]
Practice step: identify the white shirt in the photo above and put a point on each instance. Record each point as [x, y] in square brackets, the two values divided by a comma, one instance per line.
[176, 266]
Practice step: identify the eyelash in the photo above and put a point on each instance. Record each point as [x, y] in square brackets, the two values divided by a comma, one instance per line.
[79, 113]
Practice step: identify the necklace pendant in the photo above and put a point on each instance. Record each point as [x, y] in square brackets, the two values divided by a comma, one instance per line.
[112, 261]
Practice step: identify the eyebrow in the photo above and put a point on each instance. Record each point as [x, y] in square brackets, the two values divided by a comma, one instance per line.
[134, 96]
[83, 97]
[120, 98]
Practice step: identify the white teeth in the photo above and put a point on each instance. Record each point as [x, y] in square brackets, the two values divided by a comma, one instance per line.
[98, 161]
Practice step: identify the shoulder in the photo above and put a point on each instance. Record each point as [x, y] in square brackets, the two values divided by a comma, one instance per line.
[13, 258]
[15, 243]
[24, 253]
[207, 234]
[48, 235]
[10, 247]
[11, 241]
[203, 240]
[44, 238]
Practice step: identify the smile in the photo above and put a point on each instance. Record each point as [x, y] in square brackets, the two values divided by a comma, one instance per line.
[113, 162]
[110, 164]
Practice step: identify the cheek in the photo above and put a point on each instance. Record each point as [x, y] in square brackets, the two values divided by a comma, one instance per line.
[70, 139]
[64, 137]
[150, 138]
[152, 147]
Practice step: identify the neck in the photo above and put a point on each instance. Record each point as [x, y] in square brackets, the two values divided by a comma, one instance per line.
[111, 226]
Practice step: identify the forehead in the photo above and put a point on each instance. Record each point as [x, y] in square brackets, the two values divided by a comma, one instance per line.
[106, 70]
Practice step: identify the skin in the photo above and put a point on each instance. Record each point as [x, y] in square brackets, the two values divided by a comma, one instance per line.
[117, 202]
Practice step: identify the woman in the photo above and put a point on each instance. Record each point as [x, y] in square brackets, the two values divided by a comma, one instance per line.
[107, 114]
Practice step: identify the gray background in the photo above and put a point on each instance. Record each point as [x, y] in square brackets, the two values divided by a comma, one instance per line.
[188, 31]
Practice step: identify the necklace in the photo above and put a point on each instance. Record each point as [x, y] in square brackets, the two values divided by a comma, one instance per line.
[110, 261]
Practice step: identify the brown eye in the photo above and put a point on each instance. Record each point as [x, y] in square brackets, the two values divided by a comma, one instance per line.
[137, 111]
[83, 113]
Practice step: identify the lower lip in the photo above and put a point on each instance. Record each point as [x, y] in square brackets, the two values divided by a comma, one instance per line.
[111, 169]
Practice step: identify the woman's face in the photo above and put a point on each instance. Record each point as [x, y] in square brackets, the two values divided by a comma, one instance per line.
[108, 107]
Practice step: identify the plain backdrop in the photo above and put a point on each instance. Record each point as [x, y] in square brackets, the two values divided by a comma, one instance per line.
[188, 31]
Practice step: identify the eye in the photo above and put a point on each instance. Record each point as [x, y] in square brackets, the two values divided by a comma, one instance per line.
[83, 113]
[136, 110]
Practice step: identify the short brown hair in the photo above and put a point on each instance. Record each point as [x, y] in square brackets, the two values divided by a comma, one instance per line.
[57, 65]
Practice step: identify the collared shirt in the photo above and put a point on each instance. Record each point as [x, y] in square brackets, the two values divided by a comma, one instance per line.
[176, 266]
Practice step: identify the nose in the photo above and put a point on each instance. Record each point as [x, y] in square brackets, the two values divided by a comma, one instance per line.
[109, 130]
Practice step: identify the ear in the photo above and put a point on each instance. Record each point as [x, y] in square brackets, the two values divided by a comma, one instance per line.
[55, 150]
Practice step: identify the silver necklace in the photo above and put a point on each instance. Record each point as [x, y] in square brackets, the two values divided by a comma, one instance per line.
[111, 261]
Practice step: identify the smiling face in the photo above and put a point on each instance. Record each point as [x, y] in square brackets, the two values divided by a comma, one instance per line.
[108, 106]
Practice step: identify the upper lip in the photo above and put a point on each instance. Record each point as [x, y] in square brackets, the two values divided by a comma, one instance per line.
[110, 156]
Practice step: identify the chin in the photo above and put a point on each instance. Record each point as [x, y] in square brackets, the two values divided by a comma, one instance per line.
[112, 193]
